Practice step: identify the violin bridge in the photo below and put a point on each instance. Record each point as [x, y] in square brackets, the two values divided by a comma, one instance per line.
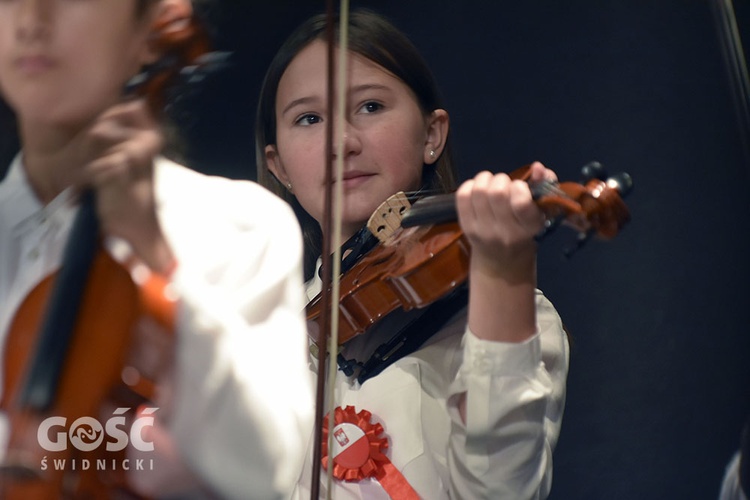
[386, 219]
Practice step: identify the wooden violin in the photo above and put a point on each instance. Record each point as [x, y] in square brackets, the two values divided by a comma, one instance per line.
[66, 353]
[423, 255]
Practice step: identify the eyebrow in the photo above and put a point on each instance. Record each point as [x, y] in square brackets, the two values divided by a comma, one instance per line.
[369, 86]
[297, 102]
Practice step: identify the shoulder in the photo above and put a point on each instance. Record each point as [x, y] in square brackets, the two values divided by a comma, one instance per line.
[175, 182]
[242, 202]
[209, 216]
[13, 179]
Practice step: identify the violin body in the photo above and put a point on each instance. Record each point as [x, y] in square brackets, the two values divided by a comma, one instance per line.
[109, 311]
[393, 276]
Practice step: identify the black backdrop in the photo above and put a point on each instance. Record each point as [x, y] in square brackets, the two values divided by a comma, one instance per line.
[660, 375]
[660, 380]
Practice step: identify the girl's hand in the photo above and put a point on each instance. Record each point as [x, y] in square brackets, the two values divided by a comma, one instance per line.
[120, 147]
[500, 219]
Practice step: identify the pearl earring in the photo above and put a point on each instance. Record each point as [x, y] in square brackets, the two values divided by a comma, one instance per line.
[432, 153]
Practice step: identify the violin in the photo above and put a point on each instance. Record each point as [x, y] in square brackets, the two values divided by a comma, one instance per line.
[66, 354]
[423, 255]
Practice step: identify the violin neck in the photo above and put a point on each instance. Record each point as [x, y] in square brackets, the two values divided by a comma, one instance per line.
[441, 208]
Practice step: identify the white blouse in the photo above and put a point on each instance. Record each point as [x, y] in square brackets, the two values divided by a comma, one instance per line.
[515, 397]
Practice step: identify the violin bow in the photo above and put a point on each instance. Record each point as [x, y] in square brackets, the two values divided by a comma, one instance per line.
[331, 267]
[736, 66]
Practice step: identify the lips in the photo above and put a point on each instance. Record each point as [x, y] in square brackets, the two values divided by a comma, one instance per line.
[34, 64]
[354, 178]
[353, 174]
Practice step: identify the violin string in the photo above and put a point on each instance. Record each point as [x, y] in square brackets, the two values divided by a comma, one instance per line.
[547, 188]
[540, 188]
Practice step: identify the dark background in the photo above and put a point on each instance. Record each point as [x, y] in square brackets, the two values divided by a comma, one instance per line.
[659, 383]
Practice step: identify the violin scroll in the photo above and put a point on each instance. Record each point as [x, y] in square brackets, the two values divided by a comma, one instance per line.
[593, 208]
[185, 49]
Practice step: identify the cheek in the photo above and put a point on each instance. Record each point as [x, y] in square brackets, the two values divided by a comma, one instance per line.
[302, 155]
[104, 70]
[120, 49]
[401, 153]
[302, 161]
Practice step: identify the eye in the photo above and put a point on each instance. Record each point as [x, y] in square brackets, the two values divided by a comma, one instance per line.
[308, 119]
[371, 107]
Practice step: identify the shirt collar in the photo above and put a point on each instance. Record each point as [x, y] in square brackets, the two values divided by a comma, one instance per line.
[19, 204]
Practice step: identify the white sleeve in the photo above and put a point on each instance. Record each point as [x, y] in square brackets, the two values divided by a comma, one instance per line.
[515, 395]
[730, 484]
[243, 397]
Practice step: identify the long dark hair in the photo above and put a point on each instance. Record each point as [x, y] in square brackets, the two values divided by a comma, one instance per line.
[371, 36]
[9, 142]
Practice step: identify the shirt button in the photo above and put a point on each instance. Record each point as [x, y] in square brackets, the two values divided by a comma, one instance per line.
[34, 254]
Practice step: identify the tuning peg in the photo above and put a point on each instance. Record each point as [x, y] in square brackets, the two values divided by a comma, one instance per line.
[593, 170]
[622, 183]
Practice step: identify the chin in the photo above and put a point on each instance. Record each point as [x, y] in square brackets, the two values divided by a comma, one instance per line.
[360, 210]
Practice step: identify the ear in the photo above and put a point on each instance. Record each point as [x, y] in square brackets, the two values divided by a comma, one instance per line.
[437, 134]
[163, 16]
[275, 166]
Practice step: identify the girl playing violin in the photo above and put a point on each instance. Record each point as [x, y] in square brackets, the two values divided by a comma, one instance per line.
[229, 249]
[475, 411]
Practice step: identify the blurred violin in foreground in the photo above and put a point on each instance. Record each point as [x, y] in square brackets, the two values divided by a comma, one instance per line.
[67, 353]
[423, 254]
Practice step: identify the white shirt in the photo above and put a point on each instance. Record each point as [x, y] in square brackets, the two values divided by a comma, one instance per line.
[731, 489]
[242, 406]
[515, 398]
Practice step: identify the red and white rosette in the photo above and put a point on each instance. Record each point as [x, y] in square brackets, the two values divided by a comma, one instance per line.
[357, 453]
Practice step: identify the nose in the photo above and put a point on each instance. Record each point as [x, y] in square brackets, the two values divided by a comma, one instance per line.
[347, 140]
[33, 19]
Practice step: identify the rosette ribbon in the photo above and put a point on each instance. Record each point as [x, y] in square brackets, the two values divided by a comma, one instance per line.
[357, 453]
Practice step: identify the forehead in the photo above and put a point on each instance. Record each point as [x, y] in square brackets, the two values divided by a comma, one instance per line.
[307, 73]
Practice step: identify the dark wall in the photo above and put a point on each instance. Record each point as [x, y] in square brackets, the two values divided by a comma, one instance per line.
[660, 380]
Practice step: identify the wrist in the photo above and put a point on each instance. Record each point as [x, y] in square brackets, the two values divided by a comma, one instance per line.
[514, 267]
[156, 253]
[158, 295]
[502, 300]
[169, 268]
